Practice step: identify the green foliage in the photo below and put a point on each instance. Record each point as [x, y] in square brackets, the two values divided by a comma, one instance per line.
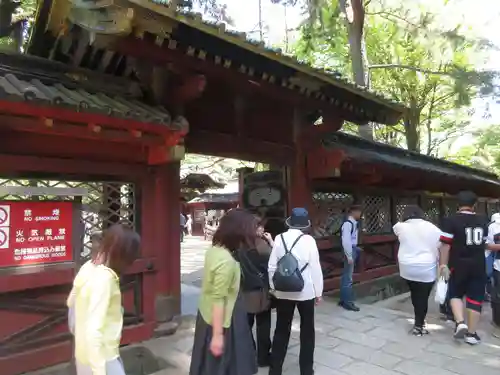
[429, 70]
[219, 169]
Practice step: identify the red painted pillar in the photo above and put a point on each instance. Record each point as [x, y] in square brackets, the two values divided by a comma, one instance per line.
[165, 219]
[300, 194]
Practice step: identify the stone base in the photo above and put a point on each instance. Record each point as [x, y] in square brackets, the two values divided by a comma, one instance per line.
[167, 307]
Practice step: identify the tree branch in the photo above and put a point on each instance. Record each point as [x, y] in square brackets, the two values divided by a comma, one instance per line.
[409, 67]
[429, 119]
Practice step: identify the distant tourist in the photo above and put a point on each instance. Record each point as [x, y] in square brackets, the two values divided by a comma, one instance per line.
[349, 236]
[97, 303]
[418, 256]
[183, 226]
[223, 340]
[189, 225]
[494, 238]
[297, 279]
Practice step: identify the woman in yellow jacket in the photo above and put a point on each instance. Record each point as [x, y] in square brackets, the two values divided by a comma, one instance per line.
[96, 303]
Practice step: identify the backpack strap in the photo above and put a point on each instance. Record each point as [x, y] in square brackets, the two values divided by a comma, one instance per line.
[295, 242]
[293, 245]
[284, 244]
[339, 231]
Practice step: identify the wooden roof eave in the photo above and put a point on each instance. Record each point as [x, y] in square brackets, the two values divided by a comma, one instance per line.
[194, 20]
[344, 149]
[162, 21]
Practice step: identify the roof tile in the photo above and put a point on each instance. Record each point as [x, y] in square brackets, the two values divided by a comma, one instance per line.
[14, 89]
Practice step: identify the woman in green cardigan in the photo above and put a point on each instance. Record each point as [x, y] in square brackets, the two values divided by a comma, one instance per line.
[223, 341]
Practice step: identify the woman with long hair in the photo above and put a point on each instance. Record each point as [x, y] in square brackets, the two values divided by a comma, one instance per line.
[97, 303]
[418, 259]
[223, 341]
[255, 291]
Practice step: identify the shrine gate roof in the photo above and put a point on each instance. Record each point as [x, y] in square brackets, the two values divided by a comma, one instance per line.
[208, 43]
[235, 51]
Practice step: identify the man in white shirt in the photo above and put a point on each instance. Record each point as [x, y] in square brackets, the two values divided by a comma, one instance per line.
[494, 238]
[305, 250]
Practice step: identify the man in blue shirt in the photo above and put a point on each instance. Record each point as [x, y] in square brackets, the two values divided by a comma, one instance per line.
[349, 235]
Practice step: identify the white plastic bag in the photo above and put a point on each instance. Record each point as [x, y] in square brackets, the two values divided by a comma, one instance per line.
[441, 291]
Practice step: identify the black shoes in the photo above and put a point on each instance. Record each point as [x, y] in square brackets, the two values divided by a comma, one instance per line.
[419, 331]
[349, 306]
[264, 362]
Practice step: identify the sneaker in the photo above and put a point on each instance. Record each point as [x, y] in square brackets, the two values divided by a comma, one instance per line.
[349, 306]
[472, 338]
[419, 331]
[460, 330]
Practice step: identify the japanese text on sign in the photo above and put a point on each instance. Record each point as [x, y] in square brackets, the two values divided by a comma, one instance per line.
[35, 232]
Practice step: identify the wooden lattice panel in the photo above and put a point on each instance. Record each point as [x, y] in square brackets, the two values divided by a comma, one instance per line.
[400, 204]
[432, 209]
[481, 208]
[450, 207]
[106, 203]
[377, 214]
[332, 207]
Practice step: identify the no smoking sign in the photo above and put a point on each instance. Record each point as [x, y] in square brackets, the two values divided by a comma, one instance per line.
[4, 226]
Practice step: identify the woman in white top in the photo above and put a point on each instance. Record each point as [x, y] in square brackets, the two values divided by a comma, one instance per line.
[418, 256]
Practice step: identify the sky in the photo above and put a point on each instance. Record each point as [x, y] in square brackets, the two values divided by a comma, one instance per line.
[478, 18]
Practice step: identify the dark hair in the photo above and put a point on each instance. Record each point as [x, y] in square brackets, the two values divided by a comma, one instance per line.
[237, 229]
[355, 207]
[412, 212]
[119, 247]
[466, 199]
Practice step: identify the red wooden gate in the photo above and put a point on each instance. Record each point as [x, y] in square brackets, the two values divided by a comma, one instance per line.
[33, 315]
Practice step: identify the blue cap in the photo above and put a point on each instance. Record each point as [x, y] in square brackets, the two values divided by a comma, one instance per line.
[299, 219]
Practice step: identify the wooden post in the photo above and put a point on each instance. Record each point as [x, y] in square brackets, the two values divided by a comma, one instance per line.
[165, 218]
[300, 194]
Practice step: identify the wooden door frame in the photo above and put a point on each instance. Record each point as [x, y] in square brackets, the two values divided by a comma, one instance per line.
[63, 274]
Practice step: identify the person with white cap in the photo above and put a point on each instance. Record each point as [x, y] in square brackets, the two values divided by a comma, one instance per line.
[494, 277]
[493, 230]
[296, 277]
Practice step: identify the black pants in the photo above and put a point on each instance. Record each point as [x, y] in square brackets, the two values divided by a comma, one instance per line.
[182, 233]
[284, 313]
[263, 344]
[420, 293]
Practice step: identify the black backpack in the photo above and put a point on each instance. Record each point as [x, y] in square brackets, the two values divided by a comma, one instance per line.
[288, 276]
[252, 279]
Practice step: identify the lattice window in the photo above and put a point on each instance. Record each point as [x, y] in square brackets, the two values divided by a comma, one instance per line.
[332, 207]
[493, 208]
[400, 204]
[377, 214]
[432, 209]
[450, 207]
[106, 203]
[481, 208]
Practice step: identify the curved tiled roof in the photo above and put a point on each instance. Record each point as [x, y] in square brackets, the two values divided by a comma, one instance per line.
[189, 34]
[373, 152]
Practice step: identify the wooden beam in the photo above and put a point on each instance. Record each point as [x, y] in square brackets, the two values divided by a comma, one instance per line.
[34, 164]
[148, 50]
[230, 146]
[44, 145]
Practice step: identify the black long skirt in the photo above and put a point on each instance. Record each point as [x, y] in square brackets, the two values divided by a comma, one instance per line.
[238, 357]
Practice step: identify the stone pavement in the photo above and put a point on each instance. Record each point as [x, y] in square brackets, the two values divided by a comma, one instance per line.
[374, 341]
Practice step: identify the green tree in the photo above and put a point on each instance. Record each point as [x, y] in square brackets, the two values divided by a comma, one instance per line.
[430, 71]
